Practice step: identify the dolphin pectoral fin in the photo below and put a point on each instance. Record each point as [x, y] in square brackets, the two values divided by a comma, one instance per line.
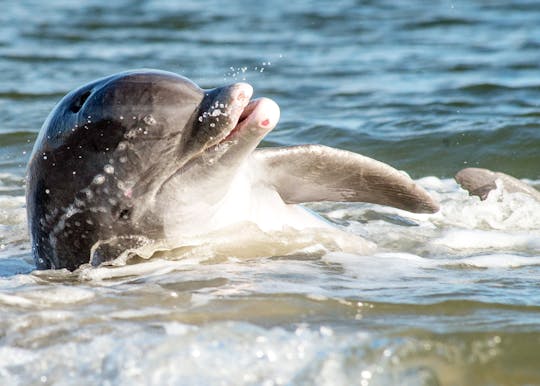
[479, 182]
[310, 173]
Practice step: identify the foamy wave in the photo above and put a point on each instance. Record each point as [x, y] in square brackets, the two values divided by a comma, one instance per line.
[385, 264]
[464, 239]
[243, 241]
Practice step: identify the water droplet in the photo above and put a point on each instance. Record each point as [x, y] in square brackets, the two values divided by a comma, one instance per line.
[131, 134]
[47, 191]
[99, 179]
[109, 169]
[149, 120]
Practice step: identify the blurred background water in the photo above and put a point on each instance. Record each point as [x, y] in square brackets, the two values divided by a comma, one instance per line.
[429, 87]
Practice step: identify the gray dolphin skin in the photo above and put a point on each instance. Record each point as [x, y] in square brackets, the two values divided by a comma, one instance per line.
[479, 182]
[146, 155]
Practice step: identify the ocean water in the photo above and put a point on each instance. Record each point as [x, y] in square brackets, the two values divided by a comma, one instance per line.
[451, 298]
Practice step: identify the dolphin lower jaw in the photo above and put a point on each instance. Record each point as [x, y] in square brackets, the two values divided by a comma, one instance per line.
[257, 119]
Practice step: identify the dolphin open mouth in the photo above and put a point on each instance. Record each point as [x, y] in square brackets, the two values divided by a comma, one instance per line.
[245, 117]
[259, 116]
[230, 117]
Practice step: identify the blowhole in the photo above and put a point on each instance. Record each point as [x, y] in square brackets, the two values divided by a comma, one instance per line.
[79, 102]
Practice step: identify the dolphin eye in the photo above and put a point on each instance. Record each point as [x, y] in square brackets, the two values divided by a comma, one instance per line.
[124, 214]
[79, 102]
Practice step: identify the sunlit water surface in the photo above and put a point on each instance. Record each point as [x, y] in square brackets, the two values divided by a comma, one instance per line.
[448, 299]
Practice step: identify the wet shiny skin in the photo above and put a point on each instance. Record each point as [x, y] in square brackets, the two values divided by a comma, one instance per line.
[428, 89]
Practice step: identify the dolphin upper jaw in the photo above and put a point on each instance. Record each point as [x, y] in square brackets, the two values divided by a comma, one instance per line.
[219, 113]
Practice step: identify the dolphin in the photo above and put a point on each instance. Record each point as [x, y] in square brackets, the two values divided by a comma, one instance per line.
[146, 155]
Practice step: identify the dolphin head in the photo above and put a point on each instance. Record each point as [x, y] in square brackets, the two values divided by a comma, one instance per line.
[113, 154]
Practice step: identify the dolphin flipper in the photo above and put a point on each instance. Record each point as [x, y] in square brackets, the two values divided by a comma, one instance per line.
[309, 173]
[479, 182]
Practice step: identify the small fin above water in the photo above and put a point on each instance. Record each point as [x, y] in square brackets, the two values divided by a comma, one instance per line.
[479, 182]
[310, 173]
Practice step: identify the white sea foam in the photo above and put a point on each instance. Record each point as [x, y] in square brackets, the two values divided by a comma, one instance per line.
[390, 264]
[465, 239]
